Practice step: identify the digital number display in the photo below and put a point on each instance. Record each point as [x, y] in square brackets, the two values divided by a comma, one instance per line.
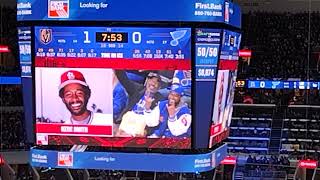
[240, 83]
[283, 84]
[111, 37]
[206, 73]
[116, 42]
[207, 52]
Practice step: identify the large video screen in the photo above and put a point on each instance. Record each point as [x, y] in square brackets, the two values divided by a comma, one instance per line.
[113, 86]
[225, 87]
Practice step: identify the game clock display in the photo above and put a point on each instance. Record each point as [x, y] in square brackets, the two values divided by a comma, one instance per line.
[111, 37]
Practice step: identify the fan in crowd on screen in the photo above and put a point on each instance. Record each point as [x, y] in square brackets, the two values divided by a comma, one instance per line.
[141, 98]
[172, 117]
[75, 93]
[120, 97]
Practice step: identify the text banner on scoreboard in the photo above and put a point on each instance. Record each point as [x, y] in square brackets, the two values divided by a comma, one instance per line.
[87, 91]
[10, 80]
[24, 35]
[229, 160]
[119, 161]
[24, 41]
[4, 48]
[308, 163]
[260, 84]
[143, 10]
[207, 49]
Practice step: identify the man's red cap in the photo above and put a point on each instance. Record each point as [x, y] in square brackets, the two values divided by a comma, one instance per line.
[72, 76]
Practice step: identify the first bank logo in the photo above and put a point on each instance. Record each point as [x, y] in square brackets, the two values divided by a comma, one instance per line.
[58, 8]
[45, 36]
[65, 159]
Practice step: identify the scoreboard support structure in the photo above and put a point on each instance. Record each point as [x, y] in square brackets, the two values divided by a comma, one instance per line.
[127, 75]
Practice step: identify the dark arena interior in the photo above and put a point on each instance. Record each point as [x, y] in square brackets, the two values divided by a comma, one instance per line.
[270, 127]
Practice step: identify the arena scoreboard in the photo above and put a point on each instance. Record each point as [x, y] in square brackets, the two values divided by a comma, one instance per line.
[138, 74]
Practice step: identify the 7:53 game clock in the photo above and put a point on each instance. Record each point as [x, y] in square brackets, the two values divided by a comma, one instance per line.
[116, 37]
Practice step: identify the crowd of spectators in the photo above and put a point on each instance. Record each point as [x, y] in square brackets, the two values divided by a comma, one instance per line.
[11, 95]
[277, 97]
[256, 96]
[9, 70]
[11, 118]
[301, 135]
[309, 146]
[11, 121]
[264, 160]
[311, 113]
[24, 172]
[246, 123]
[296, 125]
[8, 36]
[302, 124]
[105, 174]
[310, 125]
[253, 112]
[250, 123]
[249, 133]
[248, 144]
[302, 97]
[279, 42]
[12, 130]
[303, 155]
[267, 167]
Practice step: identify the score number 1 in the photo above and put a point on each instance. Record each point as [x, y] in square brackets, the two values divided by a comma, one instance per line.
[86, 40]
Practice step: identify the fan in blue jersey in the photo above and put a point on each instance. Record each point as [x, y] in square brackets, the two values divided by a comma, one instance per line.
[172, 117]
[141, 98]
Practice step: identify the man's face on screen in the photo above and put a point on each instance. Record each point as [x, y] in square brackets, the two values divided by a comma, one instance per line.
[174, 98]
[75, 99]
[153, 85]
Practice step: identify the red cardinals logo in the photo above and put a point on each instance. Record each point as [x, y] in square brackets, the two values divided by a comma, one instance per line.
[70, 75]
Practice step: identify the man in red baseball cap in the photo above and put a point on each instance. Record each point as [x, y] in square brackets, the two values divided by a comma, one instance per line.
[75, 93]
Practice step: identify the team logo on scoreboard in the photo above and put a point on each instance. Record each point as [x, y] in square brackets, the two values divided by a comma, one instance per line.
[45, 36]
[176, 36]
[65, 159]
[58, 8]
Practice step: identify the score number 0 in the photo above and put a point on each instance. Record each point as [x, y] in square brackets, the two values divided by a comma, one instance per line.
[136, 37]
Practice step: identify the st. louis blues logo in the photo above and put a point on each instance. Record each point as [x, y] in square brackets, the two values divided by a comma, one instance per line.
[58, 8]
[45, 36]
